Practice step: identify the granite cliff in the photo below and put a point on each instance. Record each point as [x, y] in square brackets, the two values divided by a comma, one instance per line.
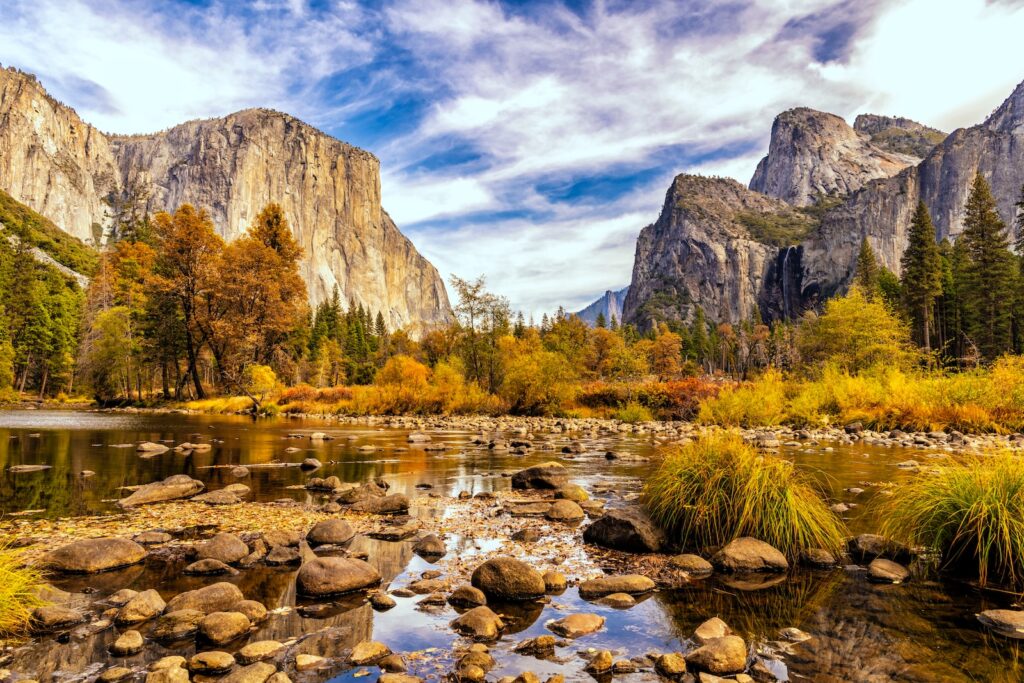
[63, 168]
[610, 305]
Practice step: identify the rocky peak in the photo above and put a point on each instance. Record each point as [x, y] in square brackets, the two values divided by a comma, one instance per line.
[1009, 116]
[814, 154]
[610, 305]
[898, 134]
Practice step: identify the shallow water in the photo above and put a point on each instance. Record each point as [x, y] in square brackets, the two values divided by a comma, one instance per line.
[919, 631]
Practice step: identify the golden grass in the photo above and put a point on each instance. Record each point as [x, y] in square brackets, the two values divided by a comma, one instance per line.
[19, 592]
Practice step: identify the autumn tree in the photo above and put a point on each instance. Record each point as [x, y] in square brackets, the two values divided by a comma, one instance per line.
[666, 353]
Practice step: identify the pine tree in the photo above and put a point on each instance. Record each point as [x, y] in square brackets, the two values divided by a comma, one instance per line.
[990, 276]
[600, 322]
[615, 323]
[922, 274]
[866, 273]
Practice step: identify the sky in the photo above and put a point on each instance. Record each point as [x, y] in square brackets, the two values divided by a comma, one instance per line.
[525, 141]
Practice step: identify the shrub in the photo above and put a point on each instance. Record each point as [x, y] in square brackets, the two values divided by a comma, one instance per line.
[759, 403]
[971, 511]
[19, 592]
[633, 413]
[718, 488]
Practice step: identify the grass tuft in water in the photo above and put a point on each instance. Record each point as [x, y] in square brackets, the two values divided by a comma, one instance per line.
[971, 511]
[719, 488]
[19, 592]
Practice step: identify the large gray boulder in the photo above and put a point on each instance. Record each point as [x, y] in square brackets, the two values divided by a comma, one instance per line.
[629, 530]
[172, 488]
[505, 578]
[95, 555]
[335, 575]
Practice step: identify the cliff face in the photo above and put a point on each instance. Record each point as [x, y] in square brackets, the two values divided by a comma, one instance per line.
[610, 305]
[814, 154]
[233, 166]
[898, 134]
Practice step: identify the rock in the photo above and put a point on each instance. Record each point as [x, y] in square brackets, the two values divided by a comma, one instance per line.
[526, 536]
[600, 663]
[368, 652]
[430, 546]
[259, 651]
[554, 582]
[240, 472]
[418, 437]
[114, 674]
[143, 607]
[307, 662]
[254, 673]
[221, 497]
[711, 629]
[691, 564]
[577, 625]
[211, 662]
[424, 586]
[632, 584]
[216, 597]
[505, 578]
[335, 575]
[1006, 621]
[152, 538]
[565, 511]
[618, 600]
[253, 610]
[549, 475]
[121, 597]
[630, 530]
[382, 602]
[223, 627]
[392, 664]
[151, 448]
[749, 555]
[817, 557]
[209, 567]
[794, 635]
[280, 555]
[671, 665]
[886, 571]
[467, 596]
[331, 483]
[50, 618]
[470, 673]
[398, 678]
[94, 555]
[170, 674]
[385, 505]
[572, 492]
[172, 488]
[541, 646]
[127, 644]
[479, 623]
[177, 625]
[330, 532]
[867, 547]
[720, 656]
[313, 463]
[282, 537]
[224, 547]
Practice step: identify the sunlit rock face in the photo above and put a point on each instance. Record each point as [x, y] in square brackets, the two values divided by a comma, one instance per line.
[232, 166]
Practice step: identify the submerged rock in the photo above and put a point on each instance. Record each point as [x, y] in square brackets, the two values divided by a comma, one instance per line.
[577, 625]
[172, 488]
[335, 575]
[479, 623]
[216, 597]
[505, 578]
[95, 555]
[749, 555]
[720, 656]
[632, 584]
[882, 570]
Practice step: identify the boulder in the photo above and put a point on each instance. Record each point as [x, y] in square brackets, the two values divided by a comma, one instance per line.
[171, 674]
[150, 448]
[691, 564]
[211, 662]
[177, 625]
[50, 618]
[565, 511]
[220, 497]
[749, 555]
[632, 584]
[254, 610]
[882, 570]
[720, 656]
[225, 547]
[114, 674]
[281, 537]
[216, 597]
[172, 488]
[576, 625]
[143, 607]
[572, 492]
[330, 532]
[368, 652]
[554, 582]
[152, 538]
[549, 475]
[1007, 621]
[127, 644]
[223, 627]
[867, 547]
[208, 567]
[479, 623]
[629, 530]
[711, 629]
[467, 596]
[258, 651]
[254, 673]
[542, 647]
[618, 600]
[335, 575]
[383, 505]
[94, 555]
[817, 557]
[280, 555]
[382, 602]
[505, 578]
[430, 546]
[672, 665]
[310, 463]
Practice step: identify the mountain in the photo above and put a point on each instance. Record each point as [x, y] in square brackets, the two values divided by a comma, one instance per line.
[330, 191]
[610, 304]
[813, 154]
[791, 240]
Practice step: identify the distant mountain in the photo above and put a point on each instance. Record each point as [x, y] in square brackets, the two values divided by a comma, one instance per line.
[610, 304]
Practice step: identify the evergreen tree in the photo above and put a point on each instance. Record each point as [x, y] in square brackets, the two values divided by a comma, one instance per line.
[990, 274]
[600, 322]
[922, 274]
[615, 323]
[866, 272]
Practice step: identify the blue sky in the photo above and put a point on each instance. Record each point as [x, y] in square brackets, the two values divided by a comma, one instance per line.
[527, 141]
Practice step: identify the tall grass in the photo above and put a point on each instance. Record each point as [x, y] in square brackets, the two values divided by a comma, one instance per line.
[718, 488]
[971, 511]
[19, 592]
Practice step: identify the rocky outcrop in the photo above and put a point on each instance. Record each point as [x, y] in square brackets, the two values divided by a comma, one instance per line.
[898, 134]
[813, 154]
[330, 191]
[609, 305]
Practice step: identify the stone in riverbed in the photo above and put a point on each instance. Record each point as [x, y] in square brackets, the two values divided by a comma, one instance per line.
[308, 662]
[209, 567]
[554, 582]
[430, 546]
[330, 532]
[240, 472]
[565, 511]
[143, 607]
[258, 651]
[467, 596]
[691, 564]
[882, 570]
[505, 578]
[152, 538]
[220, 497]
[216, 597]
[720, 656]
[817, 557]
[1009, 622]
[280, 555]
[93, 555]
[50, 618]
[549, 475]
[618, 600]
[577, 625]
[171, 674]
[335, 575]
[177, 625]
[254, 673]
[382, 602]
[282, 537]
[749, 554]
[150, 448]
[632, 584]
[368, 652]
[398, 678]
[114, 674]
[541, 647]
[629, 530]
[526, 536]
[211, 662]
[127, 644]
[600, 663]
[174, 487]
[479, 623]
[867, 547]
[225, 547]
[383, 505]
[310, 464]
[572, 492]
[223, 627]
[711, 629]
[671, 665]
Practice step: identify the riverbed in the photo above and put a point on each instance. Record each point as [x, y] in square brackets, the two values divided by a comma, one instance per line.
[922, 630]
